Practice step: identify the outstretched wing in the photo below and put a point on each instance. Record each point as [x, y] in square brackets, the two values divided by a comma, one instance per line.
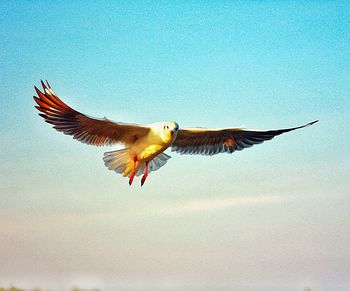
[86, 129]
[213, 141]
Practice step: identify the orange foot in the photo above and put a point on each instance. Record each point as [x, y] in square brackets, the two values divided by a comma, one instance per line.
[145, 175]
[132, 176]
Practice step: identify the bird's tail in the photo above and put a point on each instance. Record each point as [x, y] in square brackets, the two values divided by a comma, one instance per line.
[122, 162]
[158, 162]
[119, 161]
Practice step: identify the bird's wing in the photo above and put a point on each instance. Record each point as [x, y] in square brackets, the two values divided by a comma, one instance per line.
[86, 129]
[213, 141]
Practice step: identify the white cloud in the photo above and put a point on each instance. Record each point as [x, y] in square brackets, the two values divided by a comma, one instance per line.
[212, 204]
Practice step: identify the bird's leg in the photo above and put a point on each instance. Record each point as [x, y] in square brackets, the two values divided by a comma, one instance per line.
[133, 171]
[144, 177]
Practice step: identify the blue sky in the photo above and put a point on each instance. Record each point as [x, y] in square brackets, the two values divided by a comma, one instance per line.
[274, 217]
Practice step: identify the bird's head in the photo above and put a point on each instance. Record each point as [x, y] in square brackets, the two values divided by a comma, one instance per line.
[169, 131]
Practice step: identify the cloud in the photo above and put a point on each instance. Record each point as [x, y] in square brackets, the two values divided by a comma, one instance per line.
[213, 204]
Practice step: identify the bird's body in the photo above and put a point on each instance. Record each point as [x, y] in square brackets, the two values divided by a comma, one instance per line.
[152, 144]
[134, 160]
[144, 144]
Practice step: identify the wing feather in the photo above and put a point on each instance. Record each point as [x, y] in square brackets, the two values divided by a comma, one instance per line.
[213, 141]
[86, 129]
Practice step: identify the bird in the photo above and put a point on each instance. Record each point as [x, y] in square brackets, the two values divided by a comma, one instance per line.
[144, 144]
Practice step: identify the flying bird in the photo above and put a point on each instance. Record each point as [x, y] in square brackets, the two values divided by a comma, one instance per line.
[144, 144]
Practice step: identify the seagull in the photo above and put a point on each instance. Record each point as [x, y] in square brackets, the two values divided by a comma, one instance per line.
[144, 144]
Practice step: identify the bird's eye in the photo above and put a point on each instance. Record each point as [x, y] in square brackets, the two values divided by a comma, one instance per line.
[167, 127]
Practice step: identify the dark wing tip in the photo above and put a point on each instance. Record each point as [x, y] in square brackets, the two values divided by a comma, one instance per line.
[313, 122]
[43, 84]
